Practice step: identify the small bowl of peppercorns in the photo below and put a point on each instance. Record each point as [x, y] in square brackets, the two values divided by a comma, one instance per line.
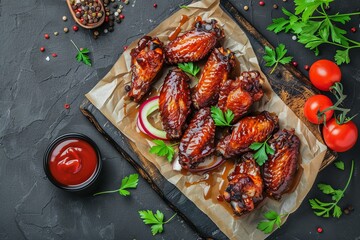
[88, 14]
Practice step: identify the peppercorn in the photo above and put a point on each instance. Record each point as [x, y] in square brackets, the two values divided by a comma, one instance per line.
[122, 16]
[78, 15]
[106, 30]
[56, 33]
[66, 106]
[66, 30]
[42, 49]
[246, 7]
[118, 20]
[351, 208]
[125, 47]
[46, 36]
[54, 55]
[353, 29]
[306, 67]
[319, 230]
[127, 88]
[275, 6]
[111, 29]
[155, 5]
[75, 28]
[346, 211]
[294, 38]
[115, 5]
[294, 63]
[111, 24]
[262, 3]
[64, 18]
[96, 33]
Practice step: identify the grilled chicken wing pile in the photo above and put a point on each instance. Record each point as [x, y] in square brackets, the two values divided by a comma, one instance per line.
[186, 116]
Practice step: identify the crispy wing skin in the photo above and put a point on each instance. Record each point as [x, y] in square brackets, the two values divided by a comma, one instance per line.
[198, 140]
[216, 71]
[175, 102]
[280, 168]
[238, 95]
[245, 189]
[248, 130]
[146, 61]
[195, 44]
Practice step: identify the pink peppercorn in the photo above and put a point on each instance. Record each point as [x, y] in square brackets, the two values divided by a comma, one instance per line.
[306, 67]
[319, 230]
[353, 29]
[46, 36]
[122, 16]
[295, 64]
[155, 5]
[54, 55]
[262, 3]
[42, 49]
[66, 106]
[75, 28]
[125, 47]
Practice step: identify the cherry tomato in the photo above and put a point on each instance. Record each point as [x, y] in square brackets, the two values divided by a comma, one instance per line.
[340, 138]
[324, 73]
[315, 104]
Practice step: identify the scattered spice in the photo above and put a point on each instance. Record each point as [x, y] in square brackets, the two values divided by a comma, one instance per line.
[42, 49]
[246, 7]
[46, 36]
[350, 207]
[56, 33]
[47, 58]
[66, 30]
[122, 16]
[262, 3]
[54, 55]
[294, 38]
[353, 30]
[106, 31]
[127, 88]
[87, 11]
[64, 18]
[75, 28]
[294, 63]
[66, 106]
[275, 6]
[306, 67]
[319, 230]
[346, 211]
[155, 5]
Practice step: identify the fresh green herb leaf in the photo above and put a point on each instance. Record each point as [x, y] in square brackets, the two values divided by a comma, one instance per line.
[340, 165]
[156, 220]
[190, 68]
[262, 150]
[324, 209]
[162, 149]
[82, 55]
[220, 118]
[127, 182]
[267, 226]
[184, 6]
[273, 58]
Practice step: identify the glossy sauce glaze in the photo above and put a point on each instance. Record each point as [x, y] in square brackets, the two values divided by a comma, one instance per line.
[175, 33]
[72, 162]
[174, 103]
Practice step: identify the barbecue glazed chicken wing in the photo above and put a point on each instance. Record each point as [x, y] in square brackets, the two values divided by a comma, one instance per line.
[146, 61]
[216, 71]
[198, 140]
[174, 102]
[248, 130]
[280, 168]
[195, 44]
[238, 95]
[245, 187]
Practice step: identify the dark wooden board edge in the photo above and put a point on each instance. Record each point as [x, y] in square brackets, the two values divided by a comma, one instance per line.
[288, 72]
[192, 215]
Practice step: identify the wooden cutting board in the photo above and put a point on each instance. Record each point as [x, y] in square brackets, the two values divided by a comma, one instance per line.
[288, 82]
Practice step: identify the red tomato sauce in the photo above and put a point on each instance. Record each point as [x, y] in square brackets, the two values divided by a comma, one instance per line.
[73, 161]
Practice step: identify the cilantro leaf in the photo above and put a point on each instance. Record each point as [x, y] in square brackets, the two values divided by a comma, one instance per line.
[262, 150]
[161, 149]
[274, 57]
[267, 226]
[190, 68]
[340, 165]
[324, 209]
[220, 118]
[156, 220]
[127, 182]
[82, 55]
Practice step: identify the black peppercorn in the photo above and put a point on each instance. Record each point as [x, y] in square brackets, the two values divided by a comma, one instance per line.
[111, 29]
[127, 88]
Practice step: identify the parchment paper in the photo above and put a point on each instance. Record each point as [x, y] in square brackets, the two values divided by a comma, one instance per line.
[109, 97]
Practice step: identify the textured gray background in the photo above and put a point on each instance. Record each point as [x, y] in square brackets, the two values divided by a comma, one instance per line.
[33, 94]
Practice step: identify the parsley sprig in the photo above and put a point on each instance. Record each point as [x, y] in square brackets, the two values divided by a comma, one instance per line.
[155, 220]
[314, 27]
[323, 209]
[127, 182]
[220, 118]
[189, 68]
[273, 219]
[82, 55]
[262, 150]
[274, 57]
[162, 149]
[340, 165]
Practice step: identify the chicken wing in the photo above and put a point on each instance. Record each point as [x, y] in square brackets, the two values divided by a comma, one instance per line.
[198, 140]
[248, 130]
[238, 95]
[215, 73]
[146, 61]
[174, 102]
[195, 44]
[245, 189]
[280, 168]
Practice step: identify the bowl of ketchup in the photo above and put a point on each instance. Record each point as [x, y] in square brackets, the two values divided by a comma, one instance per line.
[72, 162]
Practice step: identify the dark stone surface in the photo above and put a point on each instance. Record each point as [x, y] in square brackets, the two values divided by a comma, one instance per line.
[32, 113]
